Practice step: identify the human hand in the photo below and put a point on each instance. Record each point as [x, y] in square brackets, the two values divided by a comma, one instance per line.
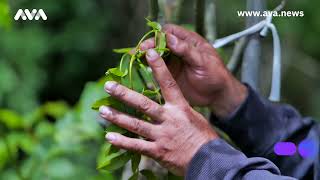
[200, 73]
[176, 132]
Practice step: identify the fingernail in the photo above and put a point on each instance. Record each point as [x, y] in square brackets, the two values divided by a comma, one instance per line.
[143, 47]
[111, 137]
[172, 39]
[105, 110]
[152, 55]
[109, 86]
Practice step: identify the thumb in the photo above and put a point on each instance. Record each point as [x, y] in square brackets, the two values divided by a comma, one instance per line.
[183, 49]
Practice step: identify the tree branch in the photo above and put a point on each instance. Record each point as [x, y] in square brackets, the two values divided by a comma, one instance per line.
[153, 10]
[200, 11]
[235, 60]
[210, 20]
[179, 11]
[281, 5]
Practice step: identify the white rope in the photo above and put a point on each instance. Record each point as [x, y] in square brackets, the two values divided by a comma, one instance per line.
[226, 40]
[263, 27]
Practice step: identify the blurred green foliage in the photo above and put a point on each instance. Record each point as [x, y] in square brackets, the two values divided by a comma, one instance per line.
[37, 56]
[5, 19]
[54, 141]
[50, 63]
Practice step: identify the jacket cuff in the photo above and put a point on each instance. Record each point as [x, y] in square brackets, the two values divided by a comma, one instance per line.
[218, 160]
[248, 125]
[258, 124]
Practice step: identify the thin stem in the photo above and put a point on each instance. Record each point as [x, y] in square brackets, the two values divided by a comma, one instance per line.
[179, 12]
[281, 5]
[133, 57]
[143, 67]
[200, 11]
[121, 61]
[235, 60]
[143, 38]
[153, 10]
[159, 97]
[210, 20]
[145, 82]
[156, 38]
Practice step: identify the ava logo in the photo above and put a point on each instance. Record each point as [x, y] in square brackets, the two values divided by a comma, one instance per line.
[34, 14]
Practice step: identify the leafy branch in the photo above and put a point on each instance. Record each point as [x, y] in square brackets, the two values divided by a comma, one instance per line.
[132, 72]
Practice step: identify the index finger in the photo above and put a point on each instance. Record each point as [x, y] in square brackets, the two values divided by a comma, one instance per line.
[147, 44]
[184, 34]
[178, 31]
[169, 88]
[134, 99]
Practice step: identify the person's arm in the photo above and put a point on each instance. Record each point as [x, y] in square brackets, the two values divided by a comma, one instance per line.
[218, 160]
[178, 137]
[257, 125]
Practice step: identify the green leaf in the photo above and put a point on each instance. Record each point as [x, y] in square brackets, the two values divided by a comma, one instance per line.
[83, 114]
[174, 177]
[154, 25]
[27, 143]
[115, 161]
[134, 176]
[115, 128]
[161, 43]
[116, 72]
[111, 77]
[148, 174]
[5, 18]
[150, 94]
[146, 75]
[110, 149]
[113, 149]
[44, 129]
[60, 168]
[18, 140]
[140, 54]
[107, 148]
[4, 156]
[122, 50]
[55, 109]
[107, 101]
[135, 161]
[137, 82]
[11, 119]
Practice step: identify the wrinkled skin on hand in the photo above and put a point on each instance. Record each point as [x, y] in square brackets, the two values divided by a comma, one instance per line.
[199, 72]
[176, 132]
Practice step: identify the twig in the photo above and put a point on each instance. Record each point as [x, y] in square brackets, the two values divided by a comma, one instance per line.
[153, 10]
[235, 60]
[179, 12]
[281, 5]
[210, 20]
[200, 17]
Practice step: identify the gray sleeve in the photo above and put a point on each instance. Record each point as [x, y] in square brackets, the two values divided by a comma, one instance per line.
[259, 124]
[218, 160]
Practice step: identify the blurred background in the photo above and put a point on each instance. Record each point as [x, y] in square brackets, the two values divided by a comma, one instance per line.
[49, 73]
